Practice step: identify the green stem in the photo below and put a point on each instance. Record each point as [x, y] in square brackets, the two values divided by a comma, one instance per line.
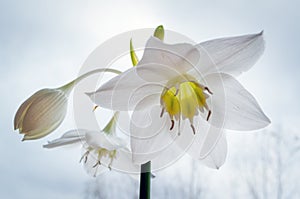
[145, 181]
[69, 86]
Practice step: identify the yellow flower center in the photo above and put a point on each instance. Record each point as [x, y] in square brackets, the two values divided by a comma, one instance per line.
[183, 98]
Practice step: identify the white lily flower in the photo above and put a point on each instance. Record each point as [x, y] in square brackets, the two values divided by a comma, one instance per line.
[179, 82]
[45, 110]
[101, 149]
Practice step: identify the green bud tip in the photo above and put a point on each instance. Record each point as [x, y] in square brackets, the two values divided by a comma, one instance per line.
[159, 32]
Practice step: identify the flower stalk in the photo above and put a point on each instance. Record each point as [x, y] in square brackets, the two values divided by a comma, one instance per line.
[145, 181]
[68, 87]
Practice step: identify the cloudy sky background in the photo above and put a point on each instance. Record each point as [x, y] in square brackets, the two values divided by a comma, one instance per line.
[44, 44]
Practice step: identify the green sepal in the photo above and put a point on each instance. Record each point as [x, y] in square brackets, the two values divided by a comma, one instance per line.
[159, 32]
[134, 58]
[110, 128]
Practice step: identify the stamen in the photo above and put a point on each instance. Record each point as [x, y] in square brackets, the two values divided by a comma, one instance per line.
[162, 111]
[95, 107]
[97, 164]
[208, 115]
[112, 155]
[96, 170]
[177, 86]
[206, 88]
[177, 91]
[172, 124]
[193, 128]
[179, 121]
[110, 163]
[84, 156]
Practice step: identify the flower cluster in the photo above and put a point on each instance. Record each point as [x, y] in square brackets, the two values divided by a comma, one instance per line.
[181, 98]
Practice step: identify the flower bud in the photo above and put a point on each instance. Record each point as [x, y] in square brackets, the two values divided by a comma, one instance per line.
[45, 110]
[41, 114]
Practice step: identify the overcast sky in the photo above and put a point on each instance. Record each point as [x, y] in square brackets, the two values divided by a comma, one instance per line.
[44, 44]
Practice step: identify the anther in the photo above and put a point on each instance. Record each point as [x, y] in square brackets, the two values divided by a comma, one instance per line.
[207, 89]
[193, 128]
[176, 93]
[172, 124]
[95, 107]
[162, 112]
[208, 115]
[84, 156]
[97, 163]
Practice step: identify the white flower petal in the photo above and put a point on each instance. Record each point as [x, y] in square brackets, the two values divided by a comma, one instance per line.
[103, 140]
[200, 144]
[167, 157]
[162, 62]
[142, 116]
[233, 107]
[70, 137]
[123, 92]
[217, 156]
[232, 55]
[123, 162]
[150, 138]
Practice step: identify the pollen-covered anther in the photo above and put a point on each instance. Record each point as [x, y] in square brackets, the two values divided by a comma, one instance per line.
[207, 89]
[95, 107]
[172, 124]
[162, 112]
[193, 128]
[208, 115]
[110, 163]
[97, 164]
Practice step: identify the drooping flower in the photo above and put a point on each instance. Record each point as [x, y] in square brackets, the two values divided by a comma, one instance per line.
[101, 149]
[176, 83]
[45, 110]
